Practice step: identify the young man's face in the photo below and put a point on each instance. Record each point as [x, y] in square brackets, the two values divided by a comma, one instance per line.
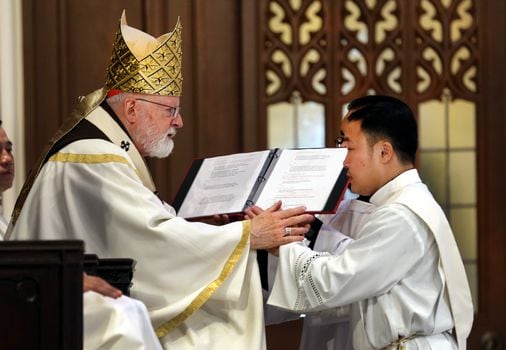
[362, 160]
[6, 162]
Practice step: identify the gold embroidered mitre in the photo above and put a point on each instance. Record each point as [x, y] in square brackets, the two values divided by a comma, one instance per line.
[143, 64]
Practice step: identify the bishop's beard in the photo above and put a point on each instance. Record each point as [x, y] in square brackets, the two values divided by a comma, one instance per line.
[154, 143]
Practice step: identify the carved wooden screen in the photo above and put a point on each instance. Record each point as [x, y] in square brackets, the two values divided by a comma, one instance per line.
[333, 51]
[425, 52]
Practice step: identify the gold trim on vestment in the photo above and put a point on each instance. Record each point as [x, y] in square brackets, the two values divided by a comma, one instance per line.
[89, 158]
[208, 291]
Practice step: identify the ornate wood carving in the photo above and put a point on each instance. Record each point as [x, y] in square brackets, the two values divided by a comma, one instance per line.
[332, 52]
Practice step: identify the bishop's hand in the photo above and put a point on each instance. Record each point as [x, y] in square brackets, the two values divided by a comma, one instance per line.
[273, 227]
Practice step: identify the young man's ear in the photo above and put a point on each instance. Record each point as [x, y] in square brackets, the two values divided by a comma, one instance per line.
[387, 151]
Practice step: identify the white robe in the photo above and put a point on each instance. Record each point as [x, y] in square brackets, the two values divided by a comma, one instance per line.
[328, 329]
[391, 274]
[117, 324]
[3, 224]
[199, 282]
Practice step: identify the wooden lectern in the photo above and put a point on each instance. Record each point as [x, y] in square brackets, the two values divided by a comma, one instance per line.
[41, 295]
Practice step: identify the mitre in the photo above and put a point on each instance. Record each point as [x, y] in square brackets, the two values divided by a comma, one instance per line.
[141, 63]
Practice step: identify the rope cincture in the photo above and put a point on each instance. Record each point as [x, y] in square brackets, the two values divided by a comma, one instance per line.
[399, 343]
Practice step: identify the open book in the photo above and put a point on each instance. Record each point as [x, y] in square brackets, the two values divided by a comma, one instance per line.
[229, 184]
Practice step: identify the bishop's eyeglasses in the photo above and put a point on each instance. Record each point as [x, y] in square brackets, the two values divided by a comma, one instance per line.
[173, 111]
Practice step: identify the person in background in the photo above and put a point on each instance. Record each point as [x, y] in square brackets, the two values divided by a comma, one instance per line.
[6, 173]
[199, 282]
[402, 274]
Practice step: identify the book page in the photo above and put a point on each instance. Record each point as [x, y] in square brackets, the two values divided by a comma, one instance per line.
[303, 177]
[223, 184]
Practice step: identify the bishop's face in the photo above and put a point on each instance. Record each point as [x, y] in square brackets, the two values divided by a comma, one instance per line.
[362, 159]
[6, 162]
[160, 117]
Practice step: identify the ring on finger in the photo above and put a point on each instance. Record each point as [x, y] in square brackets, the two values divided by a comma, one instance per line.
[288, 231]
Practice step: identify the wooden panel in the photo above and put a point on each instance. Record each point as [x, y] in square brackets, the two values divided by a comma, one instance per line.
[284, 335]
[490, 322]
[41, 288]
[252, 128]
[217, 65]
[42, 113]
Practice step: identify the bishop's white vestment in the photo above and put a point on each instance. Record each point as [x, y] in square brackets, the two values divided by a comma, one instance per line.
[199, 282]
[402, 275]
